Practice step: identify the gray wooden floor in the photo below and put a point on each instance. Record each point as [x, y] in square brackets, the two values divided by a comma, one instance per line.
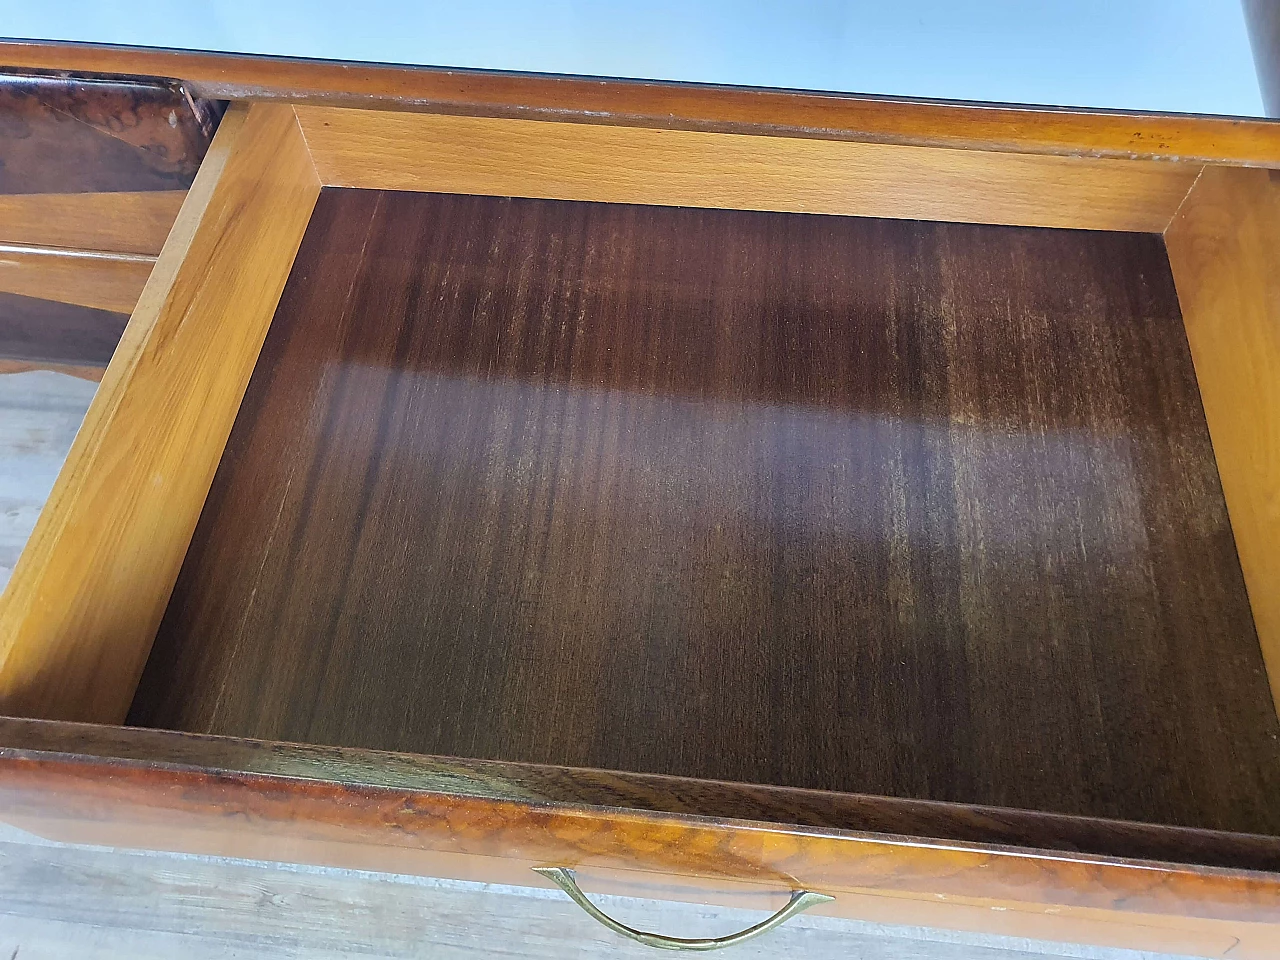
[40, 412]
[60, 901]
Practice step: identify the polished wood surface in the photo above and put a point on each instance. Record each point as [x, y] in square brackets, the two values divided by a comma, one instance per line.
[101, 281]
[1090, 133]
[335, 818]
[44, 332]
[79, 614]
[784, 807]
[112, 222]
[1223, 247]
[83, 135]
[92, 174]
[1048, 602]
[874, 506]
[574, 161]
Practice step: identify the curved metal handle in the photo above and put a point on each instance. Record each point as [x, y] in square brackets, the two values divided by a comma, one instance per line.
[564, 879]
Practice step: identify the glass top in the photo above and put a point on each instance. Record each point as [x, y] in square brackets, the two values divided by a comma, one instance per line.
[1183, 56]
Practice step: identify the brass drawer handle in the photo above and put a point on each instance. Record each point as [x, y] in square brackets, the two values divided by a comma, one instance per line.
[800, 900]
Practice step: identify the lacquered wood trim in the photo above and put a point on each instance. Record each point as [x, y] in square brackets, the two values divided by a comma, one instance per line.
[336, 822]
[537, 784]
[571, 161]
[80, 612]
[134, 223]
[1021, 129]
[100, 134]
[87, 278]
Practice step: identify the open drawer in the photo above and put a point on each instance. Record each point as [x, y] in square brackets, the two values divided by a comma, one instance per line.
[892, 521]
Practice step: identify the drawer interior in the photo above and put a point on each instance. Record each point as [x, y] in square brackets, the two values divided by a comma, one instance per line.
[900, 507]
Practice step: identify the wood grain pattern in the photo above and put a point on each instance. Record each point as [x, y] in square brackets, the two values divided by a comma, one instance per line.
[1091, 133]
[101, 281]
[63, 134]
[79, 615]
[537, 784]
[47, 332]
[113, 222]
[994, 890]
[1222, 247]
[122, 154]
[569, 161]
[872, 506]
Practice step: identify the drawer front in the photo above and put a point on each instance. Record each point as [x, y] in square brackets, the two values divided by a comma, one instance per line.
[128, 790]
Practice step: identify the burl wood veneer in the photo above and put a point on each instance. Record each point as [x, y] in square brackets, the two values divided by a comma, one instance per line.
[68, 135]
[917, 509]
[93, 172]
